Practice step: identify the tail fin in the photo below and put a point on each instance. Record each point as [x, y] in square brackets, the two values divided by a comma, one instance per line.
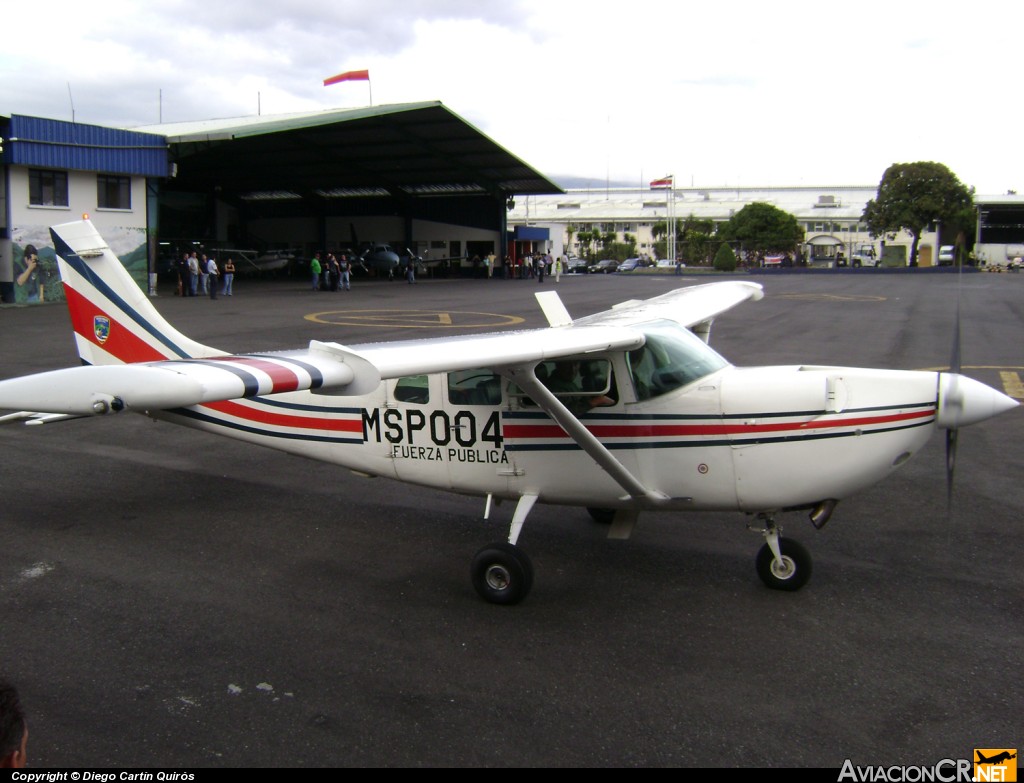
[113, 319]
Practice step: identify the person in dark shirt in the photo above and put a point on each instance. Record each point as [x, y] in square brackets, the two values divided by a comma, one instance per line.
[13, 728]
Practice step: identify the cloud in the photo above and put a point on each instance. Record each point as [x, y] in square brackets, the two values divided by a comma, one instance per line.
[791, 92]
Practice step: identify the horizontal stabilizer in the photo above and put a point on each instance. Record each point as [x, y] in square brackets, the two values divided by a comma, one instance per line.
[96, 390]
[33, 417]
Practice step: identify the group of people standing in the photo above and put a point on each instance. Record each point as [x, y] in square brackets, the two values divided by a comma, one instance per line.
[331, 274]
[201, 273]
[527, 266]
[534, 265]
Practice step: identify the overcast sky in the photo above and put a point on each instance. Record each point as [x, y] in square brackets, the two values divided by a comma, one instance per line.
[717, 93]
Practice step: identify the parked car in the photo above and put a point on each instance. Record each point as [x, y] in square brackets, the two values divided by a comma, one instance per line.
[603, 267]
[576, 266]
[947, 255]
[628, 265]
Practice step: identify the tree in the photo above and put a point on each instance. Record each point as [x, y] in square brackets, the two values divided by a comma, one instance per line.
[725, 259]
[761, 228]
[570, 232]
[587, 239]
[693, 238]
[911, 196]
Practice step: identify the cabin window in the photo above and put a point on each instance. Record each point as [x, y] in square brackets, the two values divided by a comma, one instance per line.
[575, 377]
[47, 188]
[474, 387]
[113, 192]
[414, 388]
[580, 384]
[670, 358]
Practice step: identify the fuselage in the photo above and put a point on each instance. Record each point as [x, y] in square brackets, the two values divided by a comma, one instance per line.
[734, 439]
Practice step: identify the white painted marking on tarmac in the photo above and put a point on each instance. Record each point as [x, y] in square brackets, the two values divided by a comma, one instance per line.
[37, 570]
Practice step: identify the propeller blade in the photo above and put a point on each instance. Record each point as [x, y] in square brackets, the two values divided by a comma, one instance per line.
[954, 368]
[951, 437]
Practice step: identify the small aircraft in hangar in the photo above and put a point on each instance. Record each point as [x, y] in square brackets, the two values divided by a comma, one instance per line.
[379, 259]
[625, 411]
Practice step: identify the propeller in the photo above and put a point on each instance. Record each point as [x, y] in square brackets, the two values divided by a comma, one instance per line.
[954, 393]
[964, 401]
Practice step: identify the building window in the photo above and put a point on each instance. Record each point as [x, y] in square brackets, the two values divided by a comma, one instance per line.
[47, 188]
[113, 192]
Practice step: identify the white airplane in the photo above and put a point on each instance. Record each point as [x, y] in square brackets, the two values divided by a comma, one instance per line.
[625, 411]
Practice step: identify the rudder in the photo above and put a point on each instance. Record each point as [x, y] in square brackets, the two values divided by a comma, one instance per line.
[113, 320]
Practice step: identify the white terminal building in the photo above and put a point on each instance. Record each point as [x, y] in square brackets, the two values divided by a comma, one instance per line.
[830, 218]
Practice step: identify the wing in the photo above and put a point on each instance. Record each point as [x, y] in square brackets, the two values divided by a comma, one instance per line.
[695, 307]
[116, 325]
[323, 368]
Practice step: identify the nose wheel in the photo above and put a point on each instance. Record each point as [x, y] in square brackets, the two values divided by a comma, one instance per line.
[782, 563]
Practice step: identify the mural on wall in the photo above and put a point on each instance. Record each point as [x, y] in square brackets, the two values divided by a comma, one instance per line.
[36, 278]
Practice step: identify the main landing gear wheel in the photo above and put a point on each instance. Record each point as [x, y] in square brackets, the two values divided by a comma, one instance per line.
[502, 573]
[791, 572]
[604, 516]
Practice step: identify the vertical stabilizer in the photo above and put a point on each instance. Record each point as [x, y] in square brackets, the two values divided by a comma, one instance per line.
[113, 319]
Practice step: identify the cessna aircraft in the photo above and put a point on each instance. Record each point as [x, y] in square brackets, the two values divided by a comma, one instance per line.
[625, 411]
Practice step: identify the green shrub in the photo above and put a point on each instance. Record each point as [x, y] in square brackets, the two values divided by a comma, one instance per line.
[725, 259]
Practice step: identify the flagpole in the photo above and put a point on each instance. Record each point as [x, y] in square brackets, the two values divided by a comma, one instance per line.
[670, 204]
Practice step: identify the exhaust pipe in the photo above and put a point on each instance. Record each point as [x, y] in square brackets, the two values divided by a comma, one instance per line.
[822, 513]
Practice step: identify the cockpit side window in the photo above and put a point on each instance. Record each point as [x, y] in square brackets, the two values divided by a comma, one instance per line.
[413, 388]
[670, 358]
[474, 387]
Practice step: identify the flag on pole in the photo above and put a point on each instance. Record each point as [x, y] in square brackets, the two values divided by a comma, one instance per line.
[664, 182]
[348, 76]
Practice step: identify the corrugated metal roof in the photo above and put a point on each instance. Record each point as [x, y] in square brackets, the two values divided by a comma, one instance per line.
[240, 127]
[408, 149]
[57, 144]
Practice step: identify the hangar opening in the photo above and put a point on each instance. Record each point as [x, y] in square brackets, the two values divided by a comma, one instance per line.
[415, 176]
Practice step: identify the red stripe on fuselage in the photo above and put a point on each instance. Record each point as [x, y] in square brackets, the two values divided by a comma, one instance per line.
[121, 342]
[526, 431]
[283, 378]
[260, 416]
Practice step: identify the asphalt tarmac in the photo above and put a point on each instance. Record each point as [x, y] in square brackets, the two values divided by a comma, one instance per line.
[169, 599]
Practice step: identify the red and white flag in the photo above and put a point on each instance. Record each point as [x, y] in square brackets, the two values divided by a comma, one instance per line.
[348, 76]
[664, 182]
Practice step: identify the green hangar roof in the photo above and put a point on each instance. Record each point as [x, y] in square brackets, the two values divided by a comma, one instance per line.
[399, 151]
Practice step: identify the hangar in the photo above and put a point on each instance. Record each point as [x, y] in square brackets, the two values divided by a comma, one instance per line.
[416, 176]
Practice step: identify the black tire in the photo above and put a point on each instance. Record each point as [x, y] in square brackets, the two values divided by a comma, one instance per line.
[502, 573]
[791, 573]
[603, 516]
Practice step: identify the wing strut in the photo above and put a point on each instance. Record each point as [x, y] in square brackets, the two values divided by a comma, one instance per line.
[585, 439]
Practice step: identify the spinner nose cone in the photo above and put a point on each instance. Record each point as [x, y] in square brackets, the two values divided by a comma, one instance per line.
[964, 401]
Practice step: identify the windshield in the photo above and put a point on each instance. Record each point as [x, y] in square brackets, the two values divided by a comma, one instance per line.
[671, 358]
